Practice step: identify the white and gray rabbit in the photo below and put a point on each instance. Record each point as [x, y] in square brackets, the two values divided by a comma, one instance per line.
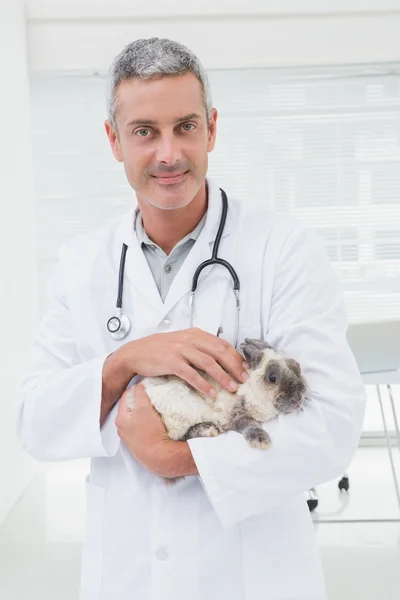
[275, 385]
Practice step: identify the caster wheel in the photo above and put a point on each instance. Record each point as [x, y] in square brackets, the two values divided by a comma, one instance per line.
[312, 504]
[344, 484]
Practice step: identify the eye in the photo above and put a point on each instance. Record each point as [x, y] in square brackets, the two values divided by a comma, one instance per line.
[272, 378]
[186, 125]
[143, 132]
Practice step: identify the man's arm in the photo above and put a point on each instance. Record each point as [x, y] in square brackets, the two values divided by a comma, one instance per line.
[115, 378]
[144, 434]
[306, 322]
[58, 405]
[180, 461]
[63, 403]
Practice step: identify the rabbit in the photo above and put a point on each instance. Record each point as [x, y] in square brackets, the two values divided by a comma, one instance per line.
[275, 386]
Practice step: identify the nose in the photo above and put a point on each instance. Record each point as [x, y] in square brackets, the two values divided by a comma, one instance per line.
[297, 403]
[168, 151]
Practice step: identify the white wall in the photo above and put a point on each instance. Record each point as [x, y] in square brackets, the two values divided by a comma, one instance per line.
[17, 257]
[86, 34]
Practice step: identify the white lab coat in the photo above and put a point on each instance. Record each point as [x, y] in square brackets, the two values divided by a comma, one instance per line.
[242, 529]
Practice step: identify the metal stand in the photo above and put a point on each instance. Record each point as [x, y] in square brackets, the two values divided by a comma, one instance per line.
[387, 437]
[344, 482]
[396, 423]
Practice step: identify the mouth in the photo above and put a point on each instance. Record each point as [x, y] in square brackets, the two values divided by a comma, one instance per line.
[292, 406]
[170, 179]
[300, 403]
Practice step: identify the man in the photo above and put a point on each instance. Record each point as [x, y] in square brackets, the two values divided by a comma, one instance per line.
[237, 526]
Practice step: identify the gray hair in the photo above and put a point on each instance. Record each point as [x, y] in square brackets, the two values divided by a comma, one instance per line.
[152, 59]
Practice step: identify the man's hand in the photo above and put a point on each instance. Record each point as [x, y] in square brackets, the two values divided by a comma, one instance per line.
[143, 433]
[177, 353]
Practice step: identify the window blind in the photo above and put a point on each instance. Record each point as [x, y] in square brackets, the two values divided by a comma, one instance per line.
[322, 144]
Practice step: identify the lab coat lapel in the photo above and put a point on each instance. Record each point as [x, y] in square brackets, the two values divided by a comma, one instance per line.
[137, 271]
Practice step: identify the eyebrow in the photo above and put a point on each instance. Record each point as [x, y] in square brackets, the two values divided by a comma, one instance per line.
[151, 122]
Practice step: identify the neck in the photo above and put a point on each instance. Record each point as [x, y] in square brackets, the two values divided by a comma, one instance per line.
[168, 227]
[251, 391]
[261, 407]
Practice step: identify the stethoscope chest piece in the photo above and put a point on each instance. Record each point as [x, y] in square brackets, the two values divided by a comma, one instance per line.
[119, 326]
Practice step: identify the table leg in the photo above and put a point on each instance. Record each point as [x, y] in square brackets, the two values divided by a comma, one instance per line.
[389, 446]
[396, 422]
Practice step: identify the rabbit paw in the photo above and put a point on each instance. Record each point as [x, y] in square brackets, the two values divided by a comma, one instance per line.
[207, 429]
[258, 438]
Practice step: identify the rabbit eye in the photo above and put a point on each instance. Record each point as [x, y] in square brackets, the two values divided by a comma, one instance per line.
[272, 378]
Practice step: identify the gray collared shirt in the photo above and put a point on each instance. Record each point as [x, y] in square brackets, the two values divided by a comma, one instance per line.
[164, 267]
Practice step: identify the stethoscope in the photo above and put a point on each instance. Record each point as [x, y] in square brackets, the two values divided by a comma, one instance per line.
[119, 325]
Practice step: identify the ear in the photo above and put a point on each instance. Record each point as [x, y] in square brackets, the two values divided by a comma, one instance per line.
[114, 141]
[212, 130]
[252, 354]
[294, 365]
[260, 344]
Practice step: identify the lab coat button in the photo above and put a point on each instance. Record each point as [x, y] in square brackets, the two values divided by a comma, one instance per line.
[168, 268]
[164, 325]
[162, 553]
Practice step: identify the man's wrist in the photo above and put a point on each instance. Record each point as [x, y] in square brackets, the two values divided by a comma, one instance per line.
[115, 378]
[125, 359]
[179, 461]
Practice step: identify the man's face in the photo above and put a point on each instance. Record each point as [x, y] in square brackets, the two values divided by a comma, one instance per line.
[163, 138]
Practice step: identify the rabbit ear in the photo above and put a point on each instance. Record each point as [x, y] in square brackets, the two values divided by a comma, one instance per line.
[260, 344]
[252, 353]
[294, 365]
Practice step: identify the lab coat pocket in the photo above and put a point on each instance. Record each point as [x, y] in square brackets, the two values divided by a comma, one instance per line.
[92, 554]
[280, 554]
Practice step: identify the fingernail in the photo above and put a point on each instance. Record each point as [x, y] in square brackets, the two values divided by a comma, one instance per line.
[245, 365]
[233, 386]
[245, 375]
[213, 393]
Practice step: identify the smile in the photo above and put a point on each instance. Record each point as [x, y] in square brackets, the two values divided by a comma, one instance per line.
[170, 179]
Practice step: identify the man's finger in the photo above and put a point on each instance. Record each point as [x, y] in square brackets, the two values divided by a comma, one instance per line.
[128, 399]
[140, 394]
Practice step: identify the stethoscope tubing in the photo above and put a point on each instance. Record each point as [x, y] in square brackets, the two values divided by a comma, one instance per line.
[119, 325]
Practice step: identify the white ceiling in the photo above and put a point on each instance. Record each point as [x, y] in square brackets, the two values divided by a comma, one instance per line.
[62, 9]
[86, 34]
